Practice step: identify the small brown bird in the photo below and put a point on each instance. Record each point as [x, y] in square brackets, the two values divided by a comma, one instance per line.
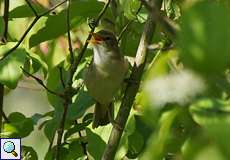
[104, 75]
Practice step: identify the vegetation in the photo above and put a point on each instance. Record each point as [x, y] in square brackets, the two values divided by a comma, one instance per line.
[174, 103]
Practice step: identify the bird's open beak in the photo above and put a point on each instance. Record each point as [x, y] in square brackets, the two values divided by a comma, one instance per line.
[96, 39]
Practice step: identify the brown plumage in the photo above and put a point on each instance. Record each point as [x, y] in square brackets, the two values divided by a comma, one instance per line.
[105, 75]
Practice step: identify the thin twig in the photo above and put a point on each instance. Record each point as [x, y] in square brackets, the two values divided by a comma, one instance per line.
[61, 77]
[60, 131]
[32, 8]
[131, 90]
[68, 96]
[39, 81]
[4, 39]
[68, 33]
[28, 30]
[5, 18]
[79, 57]
[167, 23]
[83, 144]
[51, 142]
[128, 24]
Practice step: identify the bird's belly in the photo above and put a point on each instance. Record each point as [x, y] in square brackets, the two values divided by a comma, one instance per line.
[103, 82]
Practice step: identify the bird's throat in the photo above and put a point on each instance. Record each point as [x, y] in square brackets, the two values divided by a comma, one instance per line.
[102, 56]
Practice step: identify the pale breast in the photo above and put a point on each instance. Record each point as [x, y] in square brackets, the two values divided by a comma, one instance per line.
[103, 82]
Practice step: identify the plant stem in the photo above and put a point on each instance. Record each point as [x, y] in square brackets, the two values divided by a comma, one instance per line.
[79, 57]
[5, 18]
[131, 89]
[4, 39]
[32, 8]
[61, 129]
[42, 84]
[166, 23]
[28, 30]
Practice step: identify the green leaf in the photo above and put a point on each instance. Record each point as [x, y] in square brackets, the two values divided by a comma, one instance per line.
[79, 10]
[75, 150]
[219, 132]
[204, 42]
[130, 39]
[28, 153]
[96, 145]
[82, 102]
[159, 139]
[54, 84]
[10, 71]
[76, 128]
[130, 8]
[50, 155]
[136, 143]
[25, 11]
[14, 33]
[19, 125]
[210, 111]
[50, 129]
[36, 58]
[200, 147]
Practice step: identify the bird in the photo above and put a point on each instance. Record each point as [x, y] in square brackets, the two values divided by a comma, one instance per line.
[104, 75]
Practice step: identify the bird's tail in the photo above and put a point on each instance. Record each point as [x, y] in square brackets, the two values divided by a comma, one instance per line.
[103, 114]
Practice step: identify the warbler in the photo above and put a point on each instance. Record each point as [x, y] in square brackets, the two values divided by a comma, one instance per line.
[105, 75]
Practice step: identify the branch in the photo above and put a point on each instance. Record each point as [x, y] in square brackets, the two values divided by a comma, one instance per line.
[32, 8]
[78, 60]
[39, 81]
[5, 18]
[69, 39]
[60, 131]
[68, 32]
[61, 77]
[74, 64]
[4, 39]
[2, 114]
[68, 96]
[166, 23]
[28, 30]
[131, 90]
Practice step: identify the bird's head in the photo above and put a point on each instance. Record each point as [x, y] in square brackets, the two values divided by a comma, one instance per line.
[105, 39]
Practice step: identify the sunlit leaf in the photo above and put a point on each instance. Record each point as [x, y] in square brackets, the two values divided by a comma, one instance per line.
[25, 11]
[210, 111]
[158, 140]
[204, 37]
[19, 125]
[10, 71]
[79, 11]
[96, 145]
[82, 102]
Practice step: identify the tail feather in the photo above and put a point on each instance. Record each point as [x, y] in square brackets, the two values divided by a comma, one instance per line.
[102, 114]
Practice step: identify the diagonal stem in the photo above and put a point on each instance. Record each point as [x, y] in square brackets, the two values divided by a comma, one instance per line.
[28, 30]
[42, 84]
[78, 59]
[131, 89]
[32, 8]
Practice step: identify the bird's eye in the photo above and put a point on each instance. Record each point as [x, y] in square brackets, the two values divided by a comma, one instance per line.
[107, 38]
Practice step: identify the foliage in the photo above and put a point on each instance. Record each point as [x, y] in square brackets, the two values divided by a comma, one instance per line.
[182, 108]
